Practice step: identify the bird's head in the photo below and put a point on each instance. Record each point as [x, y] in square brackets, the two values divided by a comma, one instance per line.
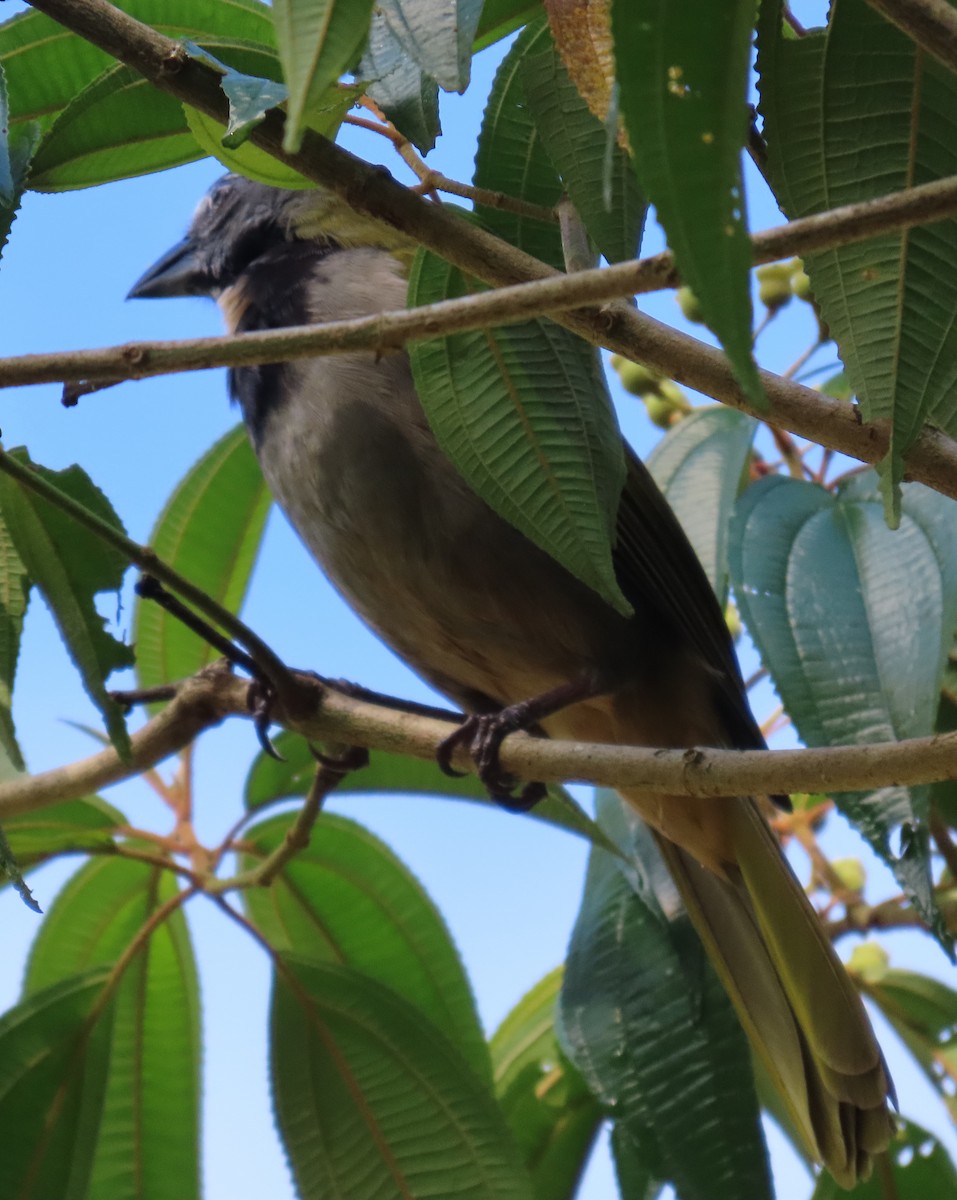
[238, 220]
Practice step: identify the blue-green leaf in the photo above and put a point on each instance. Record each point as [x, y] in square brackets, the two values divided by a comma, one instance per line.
[405, 93]
[698, 466]
[855, 623]
[437, 36]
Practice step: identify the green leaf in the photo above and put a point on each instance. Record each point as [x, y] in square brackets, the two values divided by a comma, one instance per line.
[228, 144]
[7, 183]
[889, 301]
[371, 1099]
[14, 594]
[854, 622]
[250, 98]
[210, 531]
[683, 96]
[499, 18]
[698, 466]
[651, 1029]
[511, 158]
[608, 201]
[68, 827]
[553, 1116]
[117, 127]
[916, 1167]
[437, 36]
[70, 566]
[16, 150]
[270, 780]
[318, 41]
[923, 1012]
[524, 413]
[54, 1058]
[347, 899]
[120, 126]
[147, 1139]
[635, 1181]
[47, 66]
[407, 96]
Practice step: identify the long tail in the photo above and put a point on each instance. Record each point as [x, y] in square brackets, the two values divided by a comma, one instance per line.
[792, 994]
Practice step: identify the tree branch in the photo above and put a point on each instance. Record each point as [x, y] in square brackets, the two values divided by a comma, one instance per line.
[383, 331]
[201, 702]
[932, 24]
[556, 293]
[372, 191]
[214, 693]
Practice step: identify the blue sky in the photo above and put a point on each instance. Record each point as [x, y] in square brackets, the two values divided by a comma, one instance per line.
[509, 888]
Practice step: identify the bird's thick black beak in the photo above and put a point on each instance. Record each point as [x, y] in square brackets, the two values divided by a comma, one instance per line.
[178, 273]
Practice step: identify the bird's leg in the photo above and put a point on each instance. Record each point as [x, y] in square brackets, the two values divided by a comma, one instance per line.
[483, 734]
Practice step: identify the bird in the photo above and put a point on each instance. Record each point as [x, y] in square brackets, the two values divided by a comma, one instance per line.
[492, 621]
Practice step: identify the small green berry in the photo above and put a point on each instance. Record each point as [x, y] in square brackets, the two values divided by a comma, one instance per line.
[637, 378]
[690, 305]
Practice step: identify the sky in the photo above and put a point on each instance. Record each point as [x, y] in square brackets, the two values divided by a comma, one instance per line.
[509, 888]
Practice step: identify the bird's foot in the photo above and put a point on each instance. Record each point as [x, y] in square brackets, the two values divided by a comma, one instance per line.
[483, 734]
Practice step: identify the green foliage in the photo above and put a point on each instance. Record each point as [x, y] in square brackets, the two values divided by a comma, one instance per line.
[683, 85]
[672, 1066]
[856, 638]
[70, 567]
[55, 1050]
[888, 301]
[405, 93]
[383, 1082]
[511, 158]
[698, 465]
[210, 531]
[317, 41]
[524, 413]
[596, 173]
[355, 1065]
[147, 1133]
[348, 900]
[549, 1108]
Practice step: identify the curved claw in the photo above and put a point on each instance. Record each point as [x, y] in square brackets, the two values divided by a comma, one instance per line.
[262, 701]
[484, 733]
[447, 747]
[526, 800]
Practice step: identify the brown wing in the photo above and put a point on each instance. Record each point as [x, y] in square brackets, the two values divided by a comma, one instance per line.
[655, 564]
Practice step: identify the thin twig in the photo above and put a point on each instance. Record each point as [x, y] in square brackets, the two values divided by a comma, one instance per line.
[488, 198]
[803, 358]
[325, 779]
